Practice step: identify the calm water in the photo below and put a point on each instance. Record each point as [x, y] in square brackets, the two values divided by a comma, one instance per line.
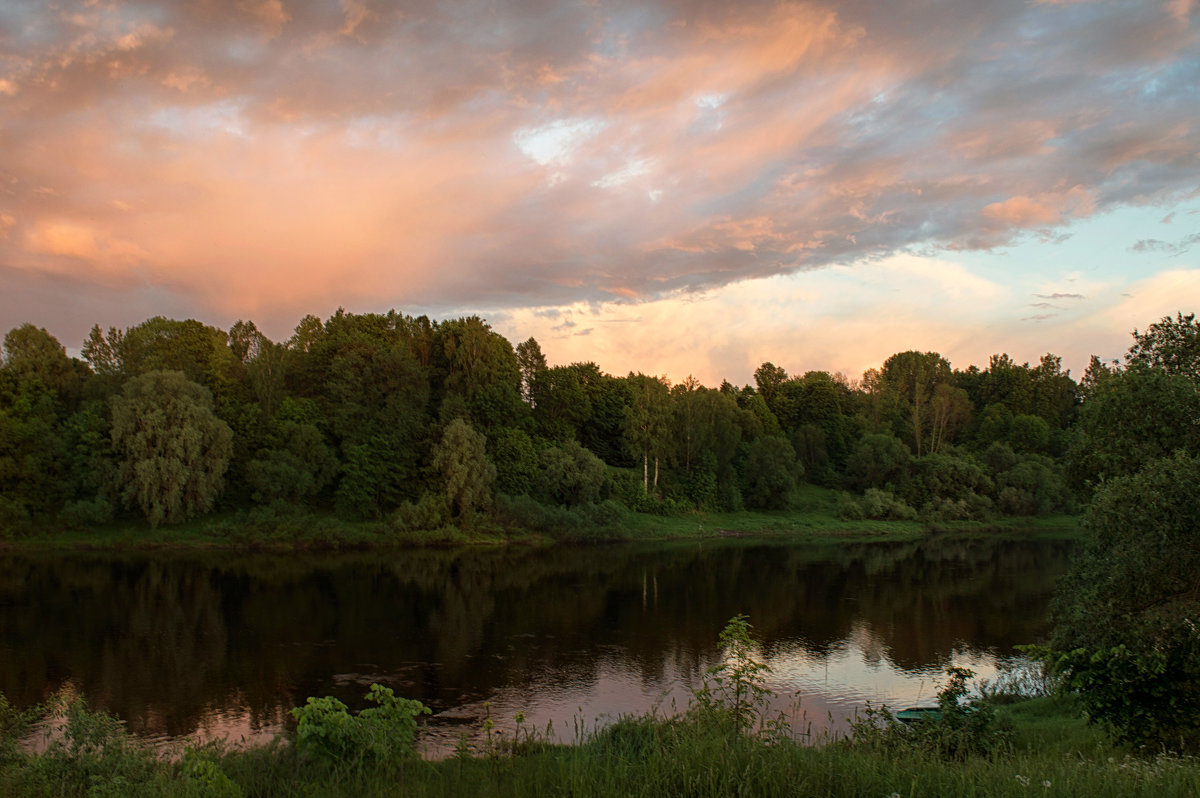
[218, 644]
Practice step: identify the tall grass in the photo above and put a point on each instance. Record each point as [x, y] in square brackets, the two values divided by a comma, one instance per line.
[723, 746]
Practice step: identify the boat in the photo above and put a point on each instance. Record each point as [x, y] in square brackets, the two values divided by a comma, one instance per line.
[916, 714]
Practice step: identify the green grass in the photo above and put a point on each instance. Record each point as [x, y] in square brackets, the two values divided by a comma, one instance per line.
[813, 519]
[1053, 754]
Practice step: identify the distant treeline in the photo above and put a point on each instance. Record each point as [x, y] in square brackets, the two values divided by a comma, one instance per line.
[429, 423]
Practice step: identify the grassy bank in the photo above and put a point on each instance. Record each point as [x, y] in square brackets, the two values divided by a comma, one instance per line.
[1050, 752]
[815, 517]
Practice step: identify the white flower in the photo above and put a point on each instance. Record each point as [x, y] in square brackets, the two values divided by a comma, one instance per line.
[1022, 780]
[1046, 784]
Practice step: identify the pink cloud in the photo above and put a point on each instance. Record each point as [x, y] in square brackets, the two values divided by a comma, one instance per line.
[242, 155]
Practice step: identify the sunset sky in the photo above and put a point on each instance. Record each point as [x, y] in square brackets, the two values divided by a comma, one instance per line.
[670, 187]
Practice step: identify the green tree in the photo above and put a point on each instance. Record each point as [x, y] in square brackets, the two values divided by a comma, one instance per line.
[1130, 418]
[1127, 617]
[647, 423]
[173, 448]
[30, 354]
[876, 461]
[1170, 345]
[571, 475]
[771, 473]
[296, 465]
[467, 475]
[480, 366]
[561, 405]
[912, 379]
[516, 460]
[769, 379]
[531, 362]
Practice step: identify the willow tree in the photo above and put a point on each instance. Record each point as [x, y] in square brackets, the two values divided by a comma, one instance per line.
[174, 449]
[467, 475]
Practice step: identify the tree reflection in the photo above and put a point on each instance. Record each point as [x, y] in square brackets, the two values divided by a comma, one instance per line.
[167, 640]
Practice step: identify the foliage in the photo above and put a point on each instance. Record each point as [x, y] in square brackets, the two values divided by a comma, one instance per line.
[174, 449]
[1126, 616]
[878, 459]
[348, 414]
[467, 475]
[569, 474]
[875, 504]
[771, 473]
[734, 690]
[1169, 345]
[380, 735]
[963, 728]
[295, 467]
[1131, 418]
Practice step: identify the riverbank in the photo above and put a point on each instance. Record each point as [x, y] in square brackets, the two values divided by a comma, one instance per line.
[1050, 752]
[815, 518]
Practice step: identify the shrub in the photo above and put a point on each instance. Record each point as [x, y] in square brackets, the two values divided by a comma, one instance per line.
[86, 513]
[964, 728]
[327, 732]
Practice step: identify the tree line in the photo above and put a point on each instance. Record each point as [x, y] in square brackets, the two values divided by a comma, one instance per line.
[426, 423]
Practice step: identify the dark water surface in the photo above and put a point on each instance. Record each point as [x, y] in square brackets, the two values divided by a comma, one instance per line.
[222, 644]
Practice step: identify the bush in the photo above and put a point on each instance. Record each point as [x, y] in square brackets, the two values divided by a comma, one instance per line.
[583, 522]
[876, 505]
[1126, 617]
[86, 513]
[381, 735]
[964, 728]
[429, 512]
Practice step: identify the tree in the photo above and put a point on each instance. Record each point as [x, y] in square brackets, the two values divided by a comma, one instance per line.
[561, 406]
[1130, 418]
[467, 475]
[571, 475]
[1172, 345]
[531, 362]
[1127, 617]
[295, 467]
[877, 460]
[769, 378]
[516, 460]
[174, 449]
[647, 422]
[31, 354]
[771, 473]
[912, 378]
[480, 366]
[949, 411]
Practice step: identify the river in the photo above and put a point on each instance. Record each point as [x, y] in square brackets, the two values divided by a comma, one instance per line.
[220, 644]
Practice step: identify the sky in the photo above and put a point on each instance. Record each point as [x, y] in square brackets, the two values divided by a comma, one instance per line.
[667, 186]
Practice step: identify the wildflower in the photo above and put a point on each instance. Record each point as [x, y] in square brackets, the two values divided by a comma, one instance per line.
[1022, 780]
[1046, 784]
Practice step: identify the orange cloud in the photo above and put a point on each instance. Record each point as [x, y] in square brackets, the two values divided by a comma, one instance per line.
[82, 242]
[1043, 211]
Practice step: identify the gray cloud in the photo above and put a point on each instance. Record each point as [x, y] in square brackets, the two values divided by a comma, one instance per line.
[698, 143]
[1179, 247]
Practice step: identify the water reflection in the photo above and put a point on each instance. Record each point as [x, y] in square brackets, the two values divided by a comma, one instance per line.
[222, 644]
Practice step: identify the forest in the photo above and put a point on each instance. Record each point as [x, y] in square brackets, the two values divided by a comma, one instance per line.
[421, 423]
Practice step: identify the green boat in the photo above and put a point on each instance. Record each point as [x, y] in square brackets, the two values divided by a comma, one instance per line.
[915, 714]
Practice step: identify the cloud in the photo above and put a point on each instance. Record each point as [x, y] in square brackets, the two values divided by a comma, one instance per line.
[268, 154]
[1175, 248]
[1060, 295]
